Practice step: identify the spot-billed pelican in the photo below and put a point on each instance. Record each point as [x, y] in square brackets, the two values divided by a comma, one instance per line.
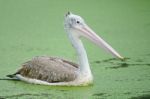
[56, 71]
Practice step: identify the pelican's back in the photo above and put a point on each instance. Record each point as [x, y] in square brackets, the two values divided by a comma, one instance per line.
[50, 69]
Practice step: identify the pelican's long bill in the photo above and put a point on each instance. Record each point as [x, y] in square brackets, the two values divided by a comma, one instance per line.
[92, 36]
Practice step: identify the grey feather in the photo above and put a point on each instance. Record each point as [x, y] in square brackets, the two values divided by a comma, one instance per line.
[50, 69]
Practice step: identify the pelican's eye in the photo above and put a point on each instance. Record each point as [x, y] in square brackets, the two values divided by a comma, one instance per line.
[78, 22]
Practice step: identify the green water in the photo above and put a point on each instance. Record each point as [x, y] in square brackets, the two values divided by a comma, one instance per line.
[31, 28]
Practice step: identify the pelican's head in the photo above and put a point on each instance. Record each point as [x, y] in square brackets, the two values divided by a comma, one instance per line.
[73, 21]
[75, 25]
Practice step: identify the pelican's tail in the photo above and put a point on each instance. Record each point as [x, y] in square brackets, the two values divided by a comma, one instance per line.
[11, 76]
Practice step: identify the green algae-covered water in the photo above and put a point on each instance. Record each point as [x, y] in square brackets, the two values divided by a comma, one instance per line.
[31, 28]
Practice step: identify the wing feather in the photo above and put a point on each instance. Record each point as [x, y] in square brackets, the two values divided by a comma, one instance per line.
[50, 69]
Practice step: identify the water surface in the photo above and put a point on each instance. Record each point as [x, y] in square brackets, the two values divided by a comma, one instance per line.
[31, 28]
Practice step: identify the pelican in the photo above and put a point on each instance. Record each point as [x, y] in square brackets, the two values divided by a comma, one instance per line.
[61, 72]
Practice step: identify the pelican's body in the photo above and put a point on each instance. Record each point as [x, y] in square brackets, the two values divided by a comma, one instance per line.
[56, 71]
[52, 71]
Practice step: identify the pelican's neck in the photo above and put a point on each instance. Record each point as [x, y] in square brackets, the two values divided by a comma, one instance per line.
[82, 56]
